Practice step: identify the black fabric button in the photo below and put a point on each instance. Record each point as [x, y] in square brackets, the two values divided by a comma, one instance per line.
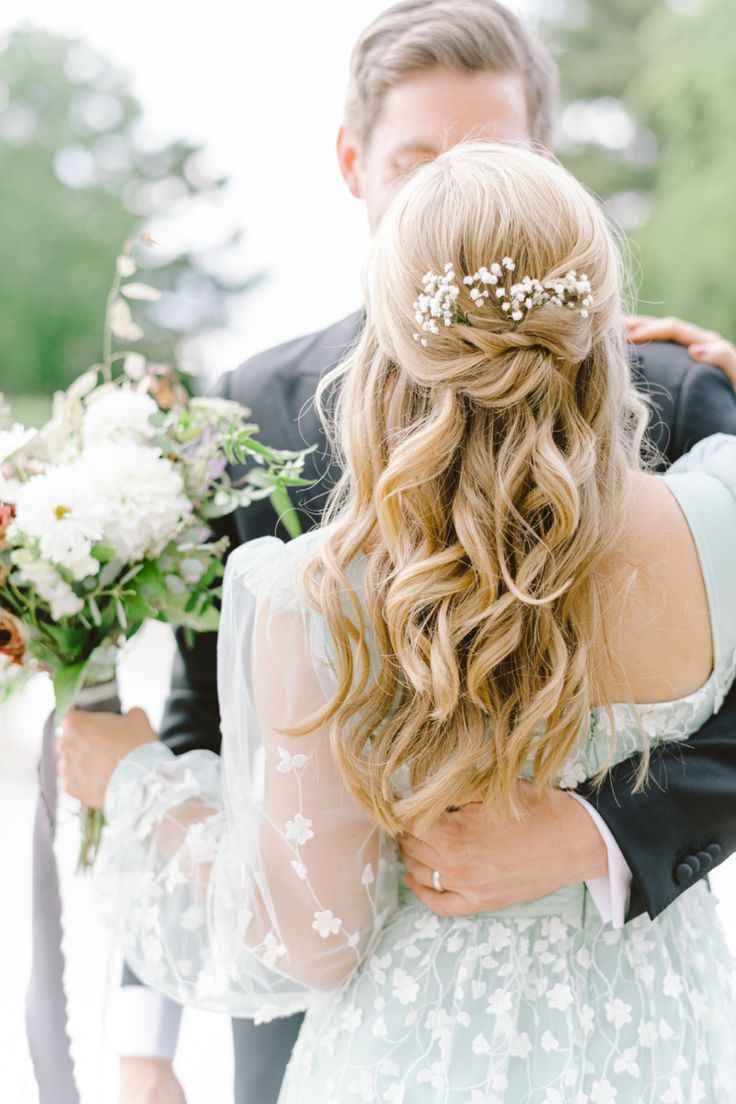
[705, 860]
[714, 850]
[683, 873]
[693, 862]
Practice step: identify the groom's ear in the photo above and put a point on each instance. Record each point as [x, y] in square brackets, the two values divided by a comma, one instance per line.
[349, 159]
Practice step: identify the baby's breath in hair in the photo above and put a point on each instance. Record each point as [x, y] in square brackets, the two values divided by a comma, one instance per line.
[439, 300]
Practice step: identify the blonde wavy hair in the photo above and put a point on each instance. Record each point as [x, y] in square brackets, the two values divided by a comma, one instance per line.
[484, 485]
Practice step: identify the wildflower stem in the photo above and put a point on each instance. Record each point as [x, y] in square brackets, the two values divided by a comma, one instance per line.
[107, 357]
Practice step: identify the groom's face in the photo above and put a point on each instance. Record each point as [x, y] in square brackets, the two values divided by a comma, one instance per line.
[425, 115]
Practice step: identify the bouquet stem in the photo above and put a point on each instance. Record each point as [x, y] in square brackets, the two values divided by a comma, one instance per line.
[102, 697]
[92, 821]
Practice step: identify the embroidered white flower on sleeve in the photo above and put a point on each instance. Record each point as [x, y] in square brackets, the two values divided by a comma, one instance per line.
[627, 1062]
[618, 1012]
[326, 923]
[521, 1046]
[299, 829]
[573, 775]
[352, 1018]
[405, 988]
[434, 1074]
[244, 918]
[549, 1042]
[603, 1092]
[272, 949]
[363, 1086]
[560, 997]
[175, 878]
[289, 762]
[673, 985]
[378, 966]
[481, 1045]
[499, 1003]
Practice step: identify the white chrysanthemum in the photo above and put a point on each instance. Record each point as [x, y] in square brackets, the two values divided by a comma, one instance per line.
[62, 512]
[49, 586]
[12, 439]
[144, 497]
[119, 415]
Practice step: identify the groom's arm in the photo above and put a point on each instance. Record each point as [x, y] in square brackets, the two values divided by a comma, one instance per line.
[683, 823]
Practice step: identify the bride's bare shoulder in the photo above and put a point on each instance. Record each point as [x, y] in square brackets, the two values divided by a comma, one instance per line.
[654, 517]
[657, 606]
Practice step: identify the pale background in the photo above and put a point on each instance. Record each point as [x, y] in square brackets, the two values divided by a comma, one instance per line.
[261, 86]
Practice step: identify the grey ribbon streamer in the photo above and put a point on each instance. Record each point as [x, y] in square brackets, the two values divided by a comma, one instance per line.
[46, 1012]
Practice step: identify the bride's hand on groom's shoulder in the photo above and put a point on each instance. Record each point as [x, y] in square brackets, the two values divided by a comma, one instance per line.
[484, 864]
[90, 746]
[702, 345]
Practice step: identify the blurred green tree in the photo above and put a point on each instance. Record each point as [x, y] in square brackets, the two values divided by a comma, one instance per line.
[599, 138]
[648, 123]
[687, 93]
[77, 177]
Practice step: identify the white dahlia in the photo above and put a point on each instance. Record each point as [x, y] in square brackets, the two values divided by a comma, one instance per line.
[144, 495]
[119, 415]
[62, 512]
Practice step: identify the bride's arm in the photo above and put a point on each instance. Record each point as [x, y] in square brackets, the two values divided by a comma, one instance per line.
[247, 883]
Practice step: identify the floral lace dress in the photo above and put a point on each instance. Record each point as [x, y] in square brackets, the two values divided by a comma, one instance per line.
[256, 886]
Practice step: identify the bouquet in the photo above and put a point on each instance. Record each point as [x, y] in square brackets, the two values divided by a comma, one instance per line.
[105, 513]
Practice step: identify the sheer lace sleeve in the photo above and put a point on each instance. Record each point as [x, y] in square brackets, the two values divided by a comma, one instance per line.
[248, 884]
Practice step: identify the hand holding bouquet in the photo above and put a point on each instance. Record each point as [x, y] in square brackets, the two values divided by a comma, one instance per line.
[105, 511]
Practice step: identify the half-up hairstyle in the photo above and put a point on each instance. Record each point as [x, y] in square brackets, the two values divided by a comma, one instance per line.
[484, 484]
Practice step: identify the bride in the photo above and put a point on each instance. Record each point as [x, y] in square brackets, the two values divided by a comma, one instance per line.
[499, 591]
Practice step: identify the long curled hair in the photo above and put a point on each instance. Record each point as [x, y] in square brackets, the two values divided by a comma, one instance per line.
[484, 485]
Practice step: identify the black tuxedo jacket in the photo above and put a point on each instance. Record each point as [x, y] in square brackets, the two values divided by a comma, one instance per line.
[684, 822]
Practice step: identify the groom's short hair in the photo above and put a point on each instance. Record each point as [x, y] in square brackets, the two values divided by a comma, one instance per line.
[466, 36]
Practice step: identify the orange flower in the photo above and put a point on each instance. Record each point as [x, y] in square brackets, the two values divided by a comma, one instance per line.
[7, 513]
[12, 643]
[167, 391]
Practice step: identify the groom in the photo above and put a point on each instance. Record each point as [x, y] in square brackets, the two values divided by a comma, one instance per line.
[426, 75]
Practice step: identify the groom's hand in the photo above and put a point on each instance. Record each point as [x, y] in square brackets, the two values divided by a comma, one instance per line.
[486, 865]
[91, 745]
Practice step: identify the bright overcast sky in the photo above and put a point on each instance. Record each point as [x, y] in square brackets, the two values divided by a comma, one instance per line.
[261, 86]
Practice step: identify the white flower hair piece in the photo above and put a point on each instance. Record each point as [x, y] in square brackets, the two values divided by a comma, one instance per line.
[571, 291]
[438, 301]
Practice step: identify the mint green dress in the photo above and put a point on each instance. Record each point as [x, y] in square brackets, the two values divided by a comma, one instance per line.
[540, 1003]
